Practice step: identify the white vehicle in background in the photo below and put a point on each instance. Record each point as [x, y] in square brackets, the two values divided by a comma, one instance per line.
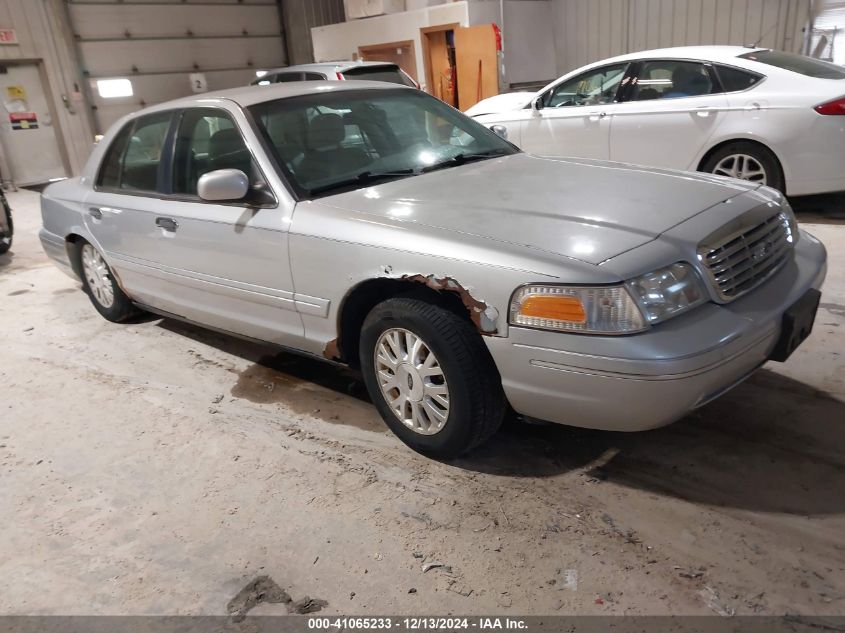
[337, 71]
[767, 116]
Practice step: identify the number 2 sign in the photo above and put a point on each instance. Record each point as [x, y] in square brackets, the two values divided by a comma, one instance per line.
[198, 82]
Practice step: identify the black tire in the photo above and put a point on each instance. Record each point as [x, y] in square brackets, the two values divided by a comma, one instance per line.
[121, 307]
[476, 401]
[764, 157]
[6, 240]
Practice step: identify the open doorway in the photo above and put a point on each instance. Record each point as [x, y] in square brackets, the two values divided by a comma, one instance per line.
[438, 43]
[400, 53]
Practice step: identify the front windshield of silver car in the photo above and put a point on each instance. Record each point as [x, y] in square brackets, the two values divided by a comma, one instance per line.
[328, 142]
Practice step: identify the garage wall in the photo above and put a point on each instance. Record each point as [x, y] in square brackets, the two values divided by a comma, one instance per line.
[303, 15]
[43, 38]
[157, 44]
[591, 30]
[528, 38]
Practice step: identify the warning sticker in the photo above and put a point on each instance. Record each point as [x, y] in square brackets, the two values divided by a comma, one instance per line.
[23, 120]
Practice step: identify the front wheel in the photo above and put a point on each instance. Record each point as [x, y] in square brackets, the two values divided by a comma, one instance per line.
[101, 287]
[746, 161]
[431, 377]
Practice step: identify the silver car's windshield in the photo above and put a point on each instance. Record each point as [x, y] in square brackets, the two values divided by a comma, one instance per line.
[327, 142]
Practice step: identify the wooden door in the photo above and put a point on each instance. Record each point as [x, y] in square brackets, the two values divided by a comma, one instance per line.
[477, 64]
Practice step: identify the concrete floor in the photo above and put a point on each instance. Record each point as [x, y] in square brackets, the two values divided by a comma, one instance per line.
[156, 468]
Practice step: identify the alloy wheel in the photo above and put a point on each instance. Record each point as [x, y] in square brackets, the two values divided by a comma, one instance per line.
[412, 381]
[741, 166]
[98, 276]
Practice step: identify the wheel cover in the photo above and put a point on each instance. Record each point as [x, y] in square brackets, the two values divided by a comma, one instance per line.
[98, 276]
[741, 166]
[412, 381]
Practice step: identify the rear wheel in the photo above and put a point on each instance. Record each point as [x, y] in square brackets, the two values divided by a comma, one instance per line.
[746, 161]
[431, 377]
[101, 287]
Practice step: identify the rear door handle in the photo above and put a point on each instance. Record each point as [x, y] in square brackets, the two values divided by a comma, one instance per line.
[168, 224]
[96, 213]
[594, 115]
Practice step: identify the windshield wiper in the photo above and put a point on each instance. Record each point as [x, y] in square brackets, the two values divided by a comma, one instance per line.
[364, 178]
[463, 158]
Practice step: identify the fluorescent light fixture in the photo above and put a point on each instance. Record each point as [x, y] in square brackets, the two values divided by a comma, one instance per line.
[113, 88]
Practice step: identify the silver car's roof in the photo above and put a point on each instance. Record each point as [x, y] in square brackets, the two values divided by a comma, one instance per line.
[250, 95]
[327, 67]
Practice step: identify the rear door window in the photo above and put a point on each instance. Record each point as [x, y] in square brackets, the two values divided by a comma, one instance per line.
[806, 66]
[286, 77]
[389, 73]
[672, 79]
[132, 161]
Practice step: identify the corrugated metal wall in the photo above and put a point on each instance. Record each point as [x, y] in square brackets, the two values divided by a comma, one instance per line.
[158, 43]
[300, 16]
[591, 30]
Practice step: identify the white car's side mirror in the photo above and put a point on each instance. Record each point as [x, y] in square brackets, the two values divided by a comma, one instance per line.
[223, 185]
[537, 104]
[500, 130]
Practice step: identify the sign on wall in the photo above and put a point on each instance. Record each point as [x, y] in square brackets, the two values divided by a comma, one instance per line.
[198, 82]
[23, 120]
[8, 36]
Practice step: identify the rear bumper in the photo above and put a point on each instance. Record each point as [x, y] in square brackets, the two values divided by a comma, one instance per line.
[56, 249]
[643, 381]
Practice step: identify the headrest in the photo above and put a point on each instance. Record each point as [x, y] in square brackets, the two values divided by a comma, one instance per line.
[326, 130]
[225, 142]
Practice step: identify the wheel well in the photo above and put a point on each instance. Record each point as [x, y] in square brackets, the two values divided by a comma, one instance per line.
[762, 146]
[73, 243]
[364, 297]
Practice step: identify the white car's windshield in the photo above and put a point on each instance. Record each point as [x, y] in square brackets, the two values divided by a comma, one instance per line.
[327, 142]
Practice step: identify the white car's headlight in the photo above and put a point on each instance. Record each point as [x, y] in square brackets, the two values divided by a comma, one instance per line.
[594, 310]
[667, 292]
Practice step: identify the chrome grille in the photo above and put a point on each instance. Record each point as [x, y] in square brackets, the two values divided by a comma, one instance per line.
[743, 261]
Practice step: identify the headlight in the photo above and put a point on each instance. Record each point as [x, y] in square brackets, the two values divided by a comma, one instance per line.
[668, 291]
[596, 310]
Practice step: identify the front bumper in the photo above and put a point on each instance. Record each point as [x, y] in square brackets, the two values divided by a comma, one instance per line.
[647, 380]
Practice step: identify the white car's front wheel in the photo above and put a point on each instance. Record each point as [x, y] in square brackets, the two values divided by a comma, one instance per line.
[746, 161]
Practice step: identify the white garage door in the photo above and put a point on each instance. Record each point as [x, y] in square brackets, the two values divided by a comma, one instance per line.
[171, 48]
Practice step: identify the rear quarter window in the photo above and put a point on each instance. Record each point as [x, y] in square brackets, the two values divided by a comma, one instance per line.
[806, 66]
[736, 80]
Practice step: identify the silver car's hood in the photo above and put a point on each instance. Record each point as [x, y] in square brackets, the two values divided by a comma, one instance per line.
[583, 209]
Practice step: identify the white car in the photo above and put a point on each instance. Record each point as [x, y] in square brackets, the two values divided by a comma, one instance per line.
[767, 116]
[337, 71]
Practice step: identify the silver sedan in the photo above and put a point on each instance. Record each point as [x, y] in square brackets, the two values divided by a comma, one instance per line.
[375, 226]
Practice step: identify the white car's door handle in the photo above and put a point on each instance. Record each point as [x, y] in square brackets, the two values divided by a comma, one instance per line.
[596, 115]
[704, 111]
[168, 224]
[96, 213]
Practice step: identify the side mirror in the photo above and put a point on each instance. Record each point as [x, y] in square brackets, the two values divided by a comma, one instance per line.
[537, 104]
[500, 130]
[223, 185]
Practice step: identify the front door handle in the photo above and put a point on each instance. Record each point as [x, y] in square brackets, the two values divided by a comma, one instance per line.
[168, 224]
[596, 115]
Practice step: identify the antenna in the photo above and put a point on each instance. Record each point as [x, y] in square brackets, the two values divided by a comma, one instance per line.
[764, 36]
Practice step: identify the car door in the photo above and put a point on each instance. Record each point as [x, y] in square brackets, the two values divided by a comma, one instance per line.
[225, 263]
[668, 113]
[124, 199]
[574, 117]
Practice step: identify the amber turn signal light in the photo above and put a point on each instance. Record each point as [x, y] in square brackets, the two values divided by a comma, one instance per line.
[558, 307]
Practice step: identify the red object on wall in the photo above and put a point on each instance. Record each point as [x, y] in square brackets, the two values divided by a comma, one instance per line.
[498, 33]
